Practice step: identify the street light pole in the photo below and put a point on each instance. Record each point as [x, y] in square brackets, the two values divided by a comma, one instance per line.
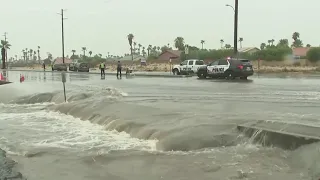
[235, 40]
[235, 31]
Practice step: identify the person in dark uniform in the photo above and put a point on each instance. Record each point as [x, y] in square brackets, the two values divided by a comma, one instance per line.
[119, 67]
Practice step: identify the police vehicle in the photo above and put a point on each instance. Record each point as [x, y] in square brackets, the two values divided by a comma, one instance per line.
[229, 68]
[187, 66]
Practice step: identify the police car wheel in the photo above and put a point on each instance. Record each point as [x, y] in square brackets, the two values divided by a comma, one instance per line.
[244, 78]
[175, 72]
[229, 75]
[202, 75]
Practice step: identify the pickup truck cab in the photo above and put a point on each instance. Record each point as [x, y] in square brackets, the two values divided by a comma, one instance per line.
[187, 67]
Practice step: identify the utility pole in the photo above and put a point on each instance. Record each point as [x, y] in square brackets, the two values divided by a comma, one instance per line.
[5, 36]
[62, 33]
[235, 40]
[5, 39]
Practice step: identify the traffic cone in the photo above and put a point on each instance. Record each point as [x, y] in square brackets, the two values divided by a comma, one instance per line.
[21, 78]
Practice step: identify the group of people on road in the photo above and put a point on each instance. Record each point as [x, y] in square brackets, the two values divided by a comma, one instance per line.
[102, 68]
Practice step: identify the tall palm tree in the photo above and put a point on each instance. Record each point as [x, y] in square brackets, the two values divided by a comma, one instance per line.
[134, 46]
[6, 45]
[26, 54]
[73, 51]
[240, 41]
[139, 48]
[130, 39]
[179, 43]
[272, 41]
[221, 42]
[269, 42]
[143, 51]
[34, 55]
[84, 49]
[90, 53]
[149, 49]
[295, 36]
[31, 54]
[202, 42]
[39, 59]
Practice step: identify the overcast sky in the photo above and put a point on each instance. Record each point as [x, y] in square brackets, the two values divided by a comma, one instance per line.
[103, 25]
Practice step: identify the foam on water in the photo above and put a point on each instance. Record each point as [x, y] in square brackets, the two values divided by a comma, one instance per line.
[43, 129]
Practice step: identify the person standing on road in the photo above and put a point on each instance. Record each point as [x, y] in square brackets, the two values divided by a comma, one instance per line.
[102, 68]
[119, 67]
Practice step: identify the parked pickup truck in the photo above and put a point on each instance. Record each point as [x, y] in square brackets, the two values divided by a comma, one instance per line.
[187, 67]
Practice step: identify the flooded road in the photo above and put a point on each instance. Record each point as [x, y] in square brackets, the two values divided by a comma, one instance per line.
[154, 128]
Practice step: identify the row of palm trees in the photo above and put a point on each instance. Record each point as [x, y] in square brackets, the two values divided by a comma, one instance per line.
[227, 46]
[30, 54]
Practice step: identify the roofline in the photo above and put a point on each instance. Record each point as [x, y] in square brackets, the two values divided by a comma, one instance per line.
[168, 52]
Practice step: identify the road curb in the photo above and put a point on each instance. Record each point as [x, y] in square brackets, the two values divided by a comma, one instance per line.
[108, 73]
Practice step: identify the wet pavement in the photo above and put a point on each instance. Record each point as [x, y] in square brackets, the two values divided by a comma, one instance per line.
[195, 118]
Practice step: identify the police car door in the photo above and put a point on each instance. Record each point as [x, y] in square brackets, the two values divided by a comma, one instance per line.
[223, 66]
[183, 66]
[211, 68]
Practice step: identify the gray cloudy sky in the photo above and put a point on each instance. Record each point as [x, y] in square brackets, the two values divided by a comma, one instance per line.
[102, 25]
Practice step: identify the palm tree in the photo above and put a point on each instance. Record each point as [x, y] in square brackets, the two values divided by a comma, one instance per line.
[84, 49]
[34, 55]
[227, 46]
[240, 41]
[5, 45]
[262, 46]
[139, 48]
[202, 42]
[143, 51]
[134, 46]
[295, 36]
[272, 41]
[31, 54]
[39, 54]
[90, 53]
[179, 43]
[26, 54]
[269, 42]
[221, 42]
[130, 38]
[149, 49]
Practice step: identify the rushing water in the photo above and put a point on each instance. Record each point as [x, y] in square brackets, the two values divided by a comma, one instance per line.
[154, 128]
